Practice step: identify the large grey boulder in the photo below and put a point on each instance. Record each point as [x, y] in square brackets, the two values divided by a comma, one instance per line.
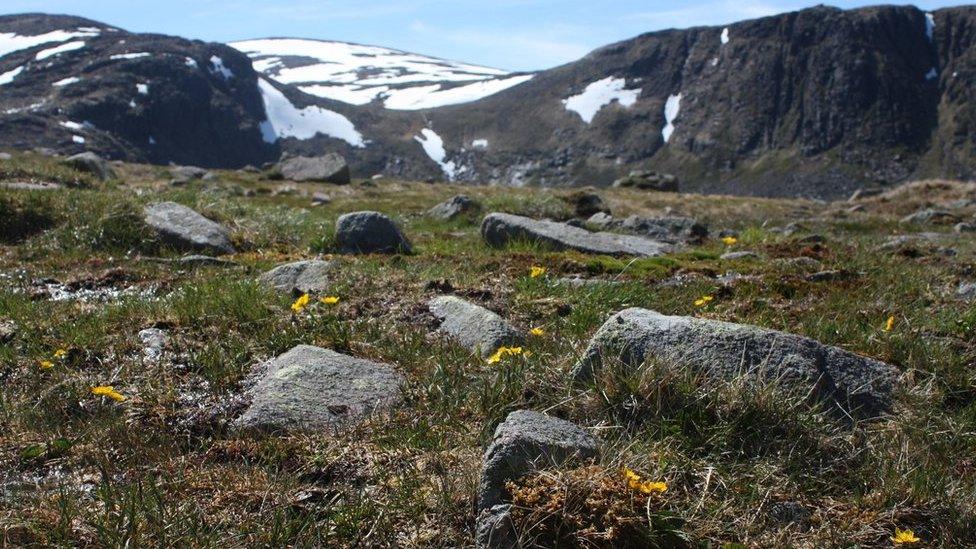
[858, 385]
[185, 229]
[91, 163]
[498, 229]
[526, 441]
[328, 168]
[370, 232]
[300, 277]
[474, 327]
[454, 207]
[310, 388]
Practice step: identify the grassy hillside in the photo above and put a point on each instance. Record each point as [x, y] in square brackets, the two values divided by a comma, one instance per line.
[80, 276]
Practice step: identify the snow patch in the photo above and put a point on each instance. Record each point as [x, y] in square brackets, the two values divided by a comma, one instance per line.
[932, 74]
[50, 52]
[480, 143]
[600, 94]
[143, 89]
[286, 120]
[78, 139]
[434, 147]
[74, 126]
[217, 67]
[430, 97]
[930, 26]
[152, 140]
[66, 82]
[129, 56]
[354, 95]
[9, 76]
[11, 42]
[725, 36]
[191, 62]
[671, 109]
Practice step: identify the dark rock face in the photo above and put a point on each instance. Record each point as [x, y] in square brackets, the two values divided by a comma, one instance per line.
[185, 229]
[860, 386]
[91, 163]
[524, 442]
[474, 327]
[310, 388]
[136, 97]
[370, 232]
[328, 168]
[499, 229]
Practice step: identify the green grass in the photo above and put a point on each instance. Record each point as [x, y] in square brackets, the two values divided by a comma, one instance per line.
[162, 468]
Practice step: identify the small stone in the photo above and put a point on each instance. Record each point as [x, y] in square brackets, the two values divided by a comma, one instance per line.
[475, 328]
[931, 216]
[601, 220]
[732, 256]
[455, 207]
[8, 330]
[301, 277]
[313, 389]
[964, 227]
[865, 193]
[832, 276]
[184, 228]
[966, 291]
[320, 199]
[370, 232]
[154, 341]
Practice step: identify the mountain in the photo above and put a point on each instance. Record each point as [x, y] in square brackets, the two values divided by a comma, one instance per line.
[816, 102]
[73, 84]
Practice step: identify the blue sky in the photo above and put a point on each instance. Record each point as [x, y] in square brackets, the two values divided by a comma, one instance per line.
[509, 34]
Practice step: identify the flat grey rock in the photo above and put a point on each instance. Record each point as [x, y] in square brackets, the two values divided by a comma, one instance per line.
[859, 385]
[328, 168]
[966, 291]
[745, 254]
[312, 389]
[898, 241]
[186, 229]
[301, 277]
[527, 441]
[476, 328]
[931, 216]
[91, 163]
[454, 207]
[498, 229]
[673, 229]
[370, 232]
[29, 186]
[184, 174]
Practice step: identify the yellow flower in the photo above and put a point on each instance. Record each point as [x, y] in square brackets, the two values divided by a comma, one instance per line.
[536, 272]
[502, 352]
[890, 324]
[330, 299]
[45, 364]
[60, 353]
[538, 332]
[904, 537]
[703, 300]
[108, 391]
[729, 240]
[300, 304]
[634, 482]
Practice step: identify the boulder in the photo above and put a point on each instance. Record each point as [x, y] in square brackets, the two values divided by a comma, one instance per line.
[328, 168]
[184, 174]
[931, 216]
[499, 229]
[526, 441]
[185, 229]
[586, 203]
[310, 389]
[300, 277]
[90, 162]
[454, 207]
[648, 180]
[858, 385]
[370, 232]
[476, 328]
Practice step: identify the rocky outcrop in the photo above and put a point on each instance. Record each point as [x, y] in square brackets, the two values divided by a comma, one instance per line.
[499, 229]
[857, 385]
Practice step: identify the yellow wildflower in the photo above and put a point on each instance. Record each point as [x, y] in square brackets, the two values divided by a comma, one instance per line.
[45, 364]
[890, 324]
[538, 332]
[703, 300]
[300, 303]
[536, 272]
[60, 353]
[729, 240]
[634, 482]
[502, 352]
[330, 299]
[108, 391]
[904, 537]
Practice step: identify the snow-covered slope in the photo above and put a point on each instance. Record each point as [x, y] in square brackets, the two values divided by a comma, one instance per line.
[360, 75]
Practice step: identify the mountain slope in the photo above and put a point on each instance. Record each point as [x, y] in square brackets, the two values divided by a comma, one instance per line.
[73, 84]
